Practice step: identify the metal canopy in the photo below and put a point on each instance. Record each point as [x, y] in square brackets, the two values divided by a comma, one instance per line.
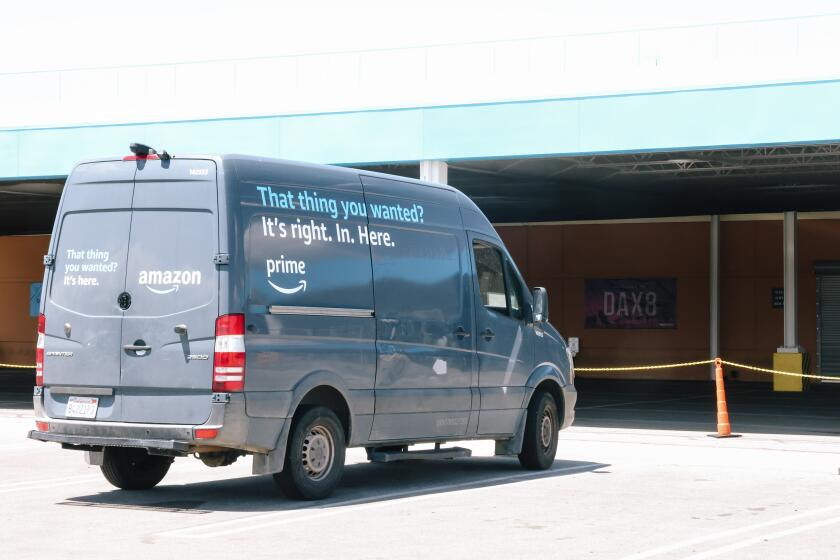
[743, 180]
[27, 208]
[610, 186]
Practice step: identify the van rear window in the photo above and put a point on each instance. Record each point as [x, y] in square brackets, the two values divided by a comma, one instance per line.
[170, 266]
[89, 269]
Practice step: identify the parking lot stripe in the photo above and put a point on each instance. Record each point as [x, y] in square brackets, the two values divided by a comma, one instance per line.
[46, 483]
[725, 534]
[253, 522]
[763, 538]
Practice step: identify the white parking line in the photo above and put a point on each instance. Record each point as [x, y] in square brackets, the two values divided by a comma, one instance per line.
[726, 534]
[286, 517]
[45, 483]
[26, 485]
[763, 538]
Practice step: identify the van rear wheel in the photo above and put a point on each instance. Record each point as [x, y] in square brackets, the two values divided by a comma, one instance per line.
[131, 468]
[539, 446]
[314, 456]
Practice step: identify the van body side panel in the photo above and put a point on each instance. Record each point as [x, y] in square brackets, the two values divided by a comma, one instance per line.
[423, 311]
[90, 248]
[308, 287]
[172, 281]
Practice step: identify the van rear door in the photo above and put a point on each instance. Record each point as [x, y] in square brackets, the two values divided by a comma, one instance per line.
[166, 372]
[90, 247]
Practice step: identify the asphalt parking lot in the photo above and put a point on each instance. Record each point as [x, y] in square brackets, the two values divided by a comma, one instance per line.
[616, 492]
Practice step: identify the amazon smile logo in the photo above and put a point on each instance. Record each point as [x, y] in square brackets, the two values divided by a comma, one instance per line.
[168, 281]
[301, 287]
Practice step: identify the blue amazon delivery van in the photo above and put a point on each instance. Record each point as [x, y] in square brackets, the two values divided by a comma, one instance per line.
[223, 306]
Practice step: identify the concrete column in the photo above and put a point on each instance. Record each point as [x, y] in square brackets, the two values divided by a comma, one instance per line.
[714, 291]
[791, 342]
[434, 171]
[789, 357]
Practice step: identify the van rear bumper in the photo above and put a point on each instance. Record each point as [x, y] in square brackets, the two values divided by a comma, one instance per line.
[96, 442]
[236, 431]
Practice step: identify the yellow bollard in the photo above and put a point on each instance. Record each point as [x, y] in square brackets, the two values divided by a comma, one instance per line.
[788, 361]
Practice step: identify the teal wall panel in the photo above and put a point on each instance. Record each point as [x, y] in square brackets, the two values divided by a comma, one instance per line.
[259, 137]
[499, 130]
[787, 113]
[353, 137]
[8, 152]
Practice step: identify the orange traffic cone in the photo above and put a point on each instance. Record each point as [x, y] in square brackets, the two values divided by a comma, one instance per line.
[724, 430]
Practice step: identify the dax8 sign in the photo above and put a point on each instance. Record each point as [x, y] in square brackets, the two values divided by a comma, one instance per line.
[631, 303]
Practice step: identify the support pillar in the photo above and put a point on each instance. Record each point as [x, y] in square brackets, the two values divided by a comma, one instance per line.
[714, 291]
[789, 357]
[434, 171]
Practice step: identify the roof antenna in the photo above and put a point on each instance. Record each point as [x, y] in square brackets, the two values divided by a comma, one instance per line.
[141, 150]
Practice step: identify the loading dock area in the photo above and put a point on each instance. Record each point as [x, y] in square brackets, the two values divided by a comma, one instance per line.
[707, 227]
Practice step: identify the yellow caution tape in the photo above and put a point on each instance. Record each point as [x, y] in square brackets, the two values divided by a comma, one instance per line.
[705, 362]
[788, 373]
[633, 368]
[640, 368]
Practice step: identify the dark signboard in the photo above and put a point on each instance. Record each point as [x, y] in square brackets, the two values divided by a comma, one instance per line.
[631, 303]
[778, 298]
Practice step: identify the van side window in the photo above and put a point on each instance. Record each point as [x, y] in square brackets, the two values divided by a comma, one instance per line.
[514, 292]
[489, 268]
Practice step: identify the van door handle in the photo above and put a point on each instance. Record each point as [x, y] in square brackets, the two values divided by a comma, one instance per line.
[461, 332]
[488, 334]
[136, 348]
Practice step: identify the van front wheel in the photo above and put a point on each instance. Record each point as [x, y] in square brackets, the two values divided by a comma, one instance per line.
[314, 456]
[539, 445]
[131, 468]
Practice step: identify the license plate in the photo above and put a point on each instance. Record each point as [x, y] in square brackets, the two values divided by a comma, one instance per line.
[81, 407]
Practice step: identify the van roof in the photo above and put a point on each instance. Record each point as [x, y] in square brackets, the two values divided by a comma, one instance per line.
[219, 158]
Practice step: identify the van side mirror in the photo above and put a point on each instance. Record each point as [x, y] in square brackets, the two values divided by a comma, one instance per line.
[540, 305]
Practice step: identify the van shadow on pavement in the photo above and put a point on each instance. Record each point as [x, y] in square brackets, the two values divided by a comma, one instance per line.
[363, 483]
[690, 405]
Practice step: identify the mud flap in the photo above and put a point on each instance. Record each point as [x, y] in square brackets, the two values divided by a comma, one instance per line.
[513, 446]
[95, 458]
[273, 461]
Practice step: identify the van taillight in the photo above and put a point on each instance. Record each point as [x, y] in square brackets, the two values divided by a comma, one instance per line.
[39, 351]
[229, 355]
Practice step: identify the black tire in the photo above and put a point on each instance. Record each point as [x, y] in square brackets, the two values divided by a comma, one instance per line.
[131, 468]
[542, 425]
[314, 456]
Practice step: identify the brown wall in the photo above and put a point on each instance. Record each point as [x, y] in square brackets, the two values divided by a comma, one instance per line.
[561, 257]
[22, 258]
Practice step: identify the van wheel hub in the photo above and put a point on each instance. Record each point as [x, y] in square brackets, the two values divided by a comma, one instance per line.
[318, 452]
[546, 429]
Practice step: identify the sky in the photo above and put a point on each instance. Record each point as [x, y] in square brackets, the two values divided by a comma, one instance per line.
[42, 35]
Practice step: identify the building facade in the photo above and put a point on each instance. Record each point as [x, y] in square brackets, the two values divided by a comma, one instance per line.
[674, 150]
